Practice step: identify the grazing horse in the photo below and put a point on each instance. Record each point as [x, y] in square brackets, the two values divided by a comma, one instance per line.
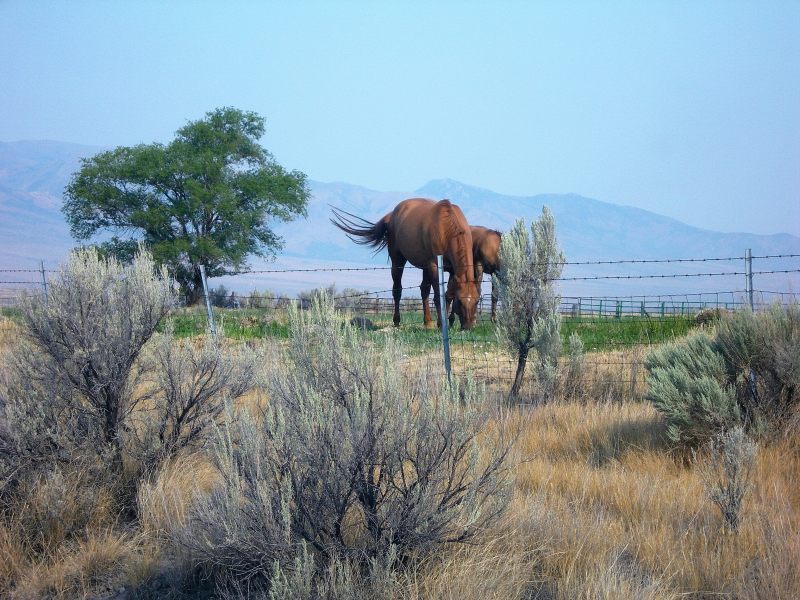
[416, 231]
[486, 258]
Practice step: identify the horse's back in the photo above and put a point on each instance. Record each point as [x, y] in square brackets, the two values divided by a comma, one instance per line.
[415, 228]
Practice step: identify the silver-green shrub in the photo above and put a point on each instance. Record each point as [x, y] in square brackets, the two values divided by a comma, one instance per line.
[353, 458]
[38, 423]
[727, 473]
[762, 356]
[573, 383]
[748, 374]
[528, 320]
[85, 339]
[339, 579]
[262, 300]
[687, 383]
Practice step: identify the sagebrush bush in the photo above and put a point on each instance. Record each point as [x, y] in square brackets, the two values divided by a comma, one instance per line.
[572, 378]
[528, 319]
[262, 300]
[748, 374]
[709, 316]
[38, 429]
[352, 459]
[81, 390]
[727, 473]
[762, 355]
[69, 390]
[687, 383]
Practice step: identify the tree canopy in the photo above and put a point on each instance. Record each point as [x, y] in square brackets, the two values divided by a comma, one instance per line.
[208, 198]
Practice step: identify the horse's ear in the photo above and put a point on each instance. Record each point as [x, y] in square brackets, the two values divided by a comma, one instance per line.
[445, 202]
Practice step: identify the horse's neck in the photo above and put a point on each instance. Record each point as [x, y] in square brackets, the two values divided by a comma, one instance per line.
[460, 246]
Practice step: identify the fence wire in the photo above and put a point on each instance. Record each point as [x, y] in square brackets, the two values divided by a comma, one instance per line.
[616, 331]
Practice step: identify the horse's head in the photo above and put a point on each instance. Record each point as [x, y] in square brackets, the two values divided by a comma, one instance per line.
[465, 303]
[489, 251]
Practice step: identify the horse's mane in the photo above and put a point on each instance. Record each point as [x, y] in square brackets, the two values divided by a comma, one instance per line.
[456, 231]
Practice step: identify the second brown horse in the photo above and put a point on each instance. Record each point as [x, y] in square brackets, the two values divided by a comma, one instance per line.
[416, 231]
[486, 258]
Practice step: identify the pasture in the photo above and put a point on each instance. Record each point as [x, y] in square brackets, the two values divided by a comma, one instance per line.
[597, 333]
[603, 506]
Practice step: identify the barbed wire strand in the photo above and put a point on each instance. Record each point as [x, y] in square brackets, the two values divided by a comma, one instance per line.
[386, 268]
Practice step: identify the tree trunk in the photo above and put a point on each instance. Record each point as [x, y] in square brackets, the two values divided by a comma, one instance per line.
[195, 292]
[521, 362]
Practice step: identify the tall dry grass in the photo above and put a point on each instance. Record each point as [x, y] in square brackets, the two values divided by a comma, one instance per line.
[603, 508]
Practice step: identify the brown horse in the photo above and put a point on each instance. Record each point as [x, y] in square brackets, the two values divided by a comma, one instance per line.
[416, 231]
[486, 259]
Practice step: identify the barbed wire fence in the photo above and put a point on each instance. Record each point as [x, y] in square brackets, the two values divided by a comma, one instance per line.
[616, 330]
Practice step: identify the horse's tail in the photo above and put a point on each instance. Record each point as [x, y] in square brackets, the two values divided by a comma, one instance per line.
[360, 230]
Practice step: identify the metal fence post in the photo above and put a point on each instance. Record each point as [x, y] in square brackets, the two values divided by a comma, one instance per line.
[44, 282]
[443, 311]
[749, 269]
[751, 376]
[211, 323]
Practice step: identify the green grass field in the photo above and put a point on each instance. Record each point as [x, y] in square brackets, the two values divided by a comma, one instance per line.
[597, 333]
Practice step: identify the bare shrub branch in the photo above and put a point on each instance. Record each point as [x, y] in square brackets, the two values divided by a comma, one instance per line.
[192, 381]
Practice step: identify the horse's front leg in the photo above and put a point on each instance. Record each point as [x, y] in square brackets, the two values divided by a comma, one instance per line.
[449, 297]
[425, 292]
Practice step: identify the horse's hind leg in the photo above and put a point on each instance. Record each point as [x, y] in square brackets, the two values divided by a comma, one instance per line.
[398, 264]
[437, 297]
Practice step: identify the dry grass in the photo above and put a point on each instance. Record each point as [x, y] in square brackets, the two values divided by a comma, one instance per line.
[164, 500]
[99, 564]
[63, 539]
[9, 333]
[603, 509]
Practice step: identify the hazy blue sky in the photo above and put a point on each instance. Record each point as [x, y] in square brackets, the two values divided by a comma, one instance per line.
[688, 109]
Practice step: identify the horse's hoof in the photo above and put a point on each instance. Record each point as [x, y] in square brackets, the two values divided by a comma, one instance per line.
[430, 325]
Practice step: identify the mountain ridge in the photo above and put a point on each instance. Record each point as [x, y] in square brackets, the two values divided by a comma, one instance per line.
[34, 173]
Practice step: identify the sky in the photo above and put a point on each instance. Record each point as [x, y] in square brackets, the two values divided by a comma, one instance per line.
[687, 109]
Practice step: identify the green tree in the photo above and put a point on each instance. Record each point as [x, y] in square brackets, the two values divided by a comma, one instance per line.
[206, 198]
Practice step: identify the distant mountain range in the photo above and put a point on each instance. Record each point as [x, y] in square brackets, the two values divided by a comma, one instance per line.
[33, 175]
